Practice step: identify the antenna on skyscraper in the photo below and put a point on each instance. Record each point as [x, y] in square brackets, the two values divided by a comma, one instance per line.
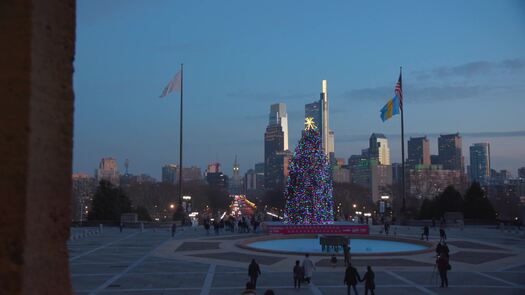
[126, 165]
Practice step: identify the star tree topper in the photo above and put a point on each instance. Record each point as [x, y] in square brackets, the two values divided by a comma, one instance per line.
[309, 123]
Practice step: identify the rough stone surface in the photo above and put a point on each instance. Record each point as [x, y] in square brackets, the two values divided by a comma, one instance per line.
[36, 128]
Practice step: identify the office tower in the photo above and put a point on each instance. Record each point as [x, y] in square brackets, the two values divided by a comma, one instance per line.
[274, 146]
[429, 181]
[236, 180]
[170, 173]
[435, 160]
[84, 187]
[278, 116]
[192, 173]
[319, 111]
[418, 151]
[521, 172]
[217, 180]
[214, 168]
[480, 162]
[359, 166]
[380, 181]
[450, 154]
[108, 170]
[378, 149]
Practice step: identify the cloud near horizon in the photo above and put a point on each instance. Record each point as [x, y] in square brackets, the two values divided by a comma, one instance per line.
[365, 137]
[471, 69]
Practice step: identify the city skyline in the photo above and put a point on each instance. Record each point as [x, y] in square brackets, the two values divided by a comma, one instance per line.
[475, 88]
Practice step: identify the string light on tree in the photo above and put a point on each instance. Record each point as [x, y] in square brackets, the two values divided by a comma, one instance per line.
[309, 188]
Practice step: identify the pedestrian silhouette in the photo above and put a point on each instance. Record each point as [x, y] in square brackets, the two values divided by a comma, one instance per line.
[298, 275]
[254, 271]
[443, 267]
[369, 279]
[308, 267]
[351, 278]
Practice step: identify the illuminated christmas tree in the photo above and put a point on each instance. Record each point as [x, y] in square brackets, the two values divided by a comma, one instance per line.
[308, 190]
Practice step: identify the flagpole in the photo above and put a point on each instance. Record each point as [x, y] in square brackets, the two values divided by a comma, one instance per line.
[403, 208]
[180, 132]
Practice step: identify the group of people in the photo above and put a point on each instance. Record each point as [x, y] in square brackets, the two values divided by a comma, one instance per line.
[302, 272]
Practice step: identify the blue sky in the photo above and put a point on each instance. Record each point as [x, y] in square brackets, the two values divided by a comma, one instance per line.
[463, 70]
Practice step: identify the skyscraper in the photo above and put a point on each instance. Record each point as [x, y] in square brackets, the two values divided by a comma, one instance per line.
[278, 116]
[170, 173]
[521, 172]
[319, 111]
[450, 152]
[108, 170]
[480, 162]
[236, 180]
[378, 149]
[275, 143]
[418, 151]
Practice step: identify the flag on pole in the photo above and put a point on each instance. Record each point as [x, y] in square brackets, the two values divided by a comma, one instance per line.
[395, 104]
[174, 84]
[391, 108]
[399, 91]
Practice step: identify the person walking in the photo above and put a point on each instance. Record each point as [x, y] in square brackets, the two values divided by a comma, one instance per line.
[369, 279]
[253, 272]
[298, 275]
[442, 234]
[308, 267]
[346, 251]
[425, 232]
[351, 278]
[173, 229]
[443, 267]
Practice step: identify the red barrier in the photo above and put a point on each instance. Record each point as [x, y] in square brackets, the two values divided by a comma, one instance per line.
[336, 229]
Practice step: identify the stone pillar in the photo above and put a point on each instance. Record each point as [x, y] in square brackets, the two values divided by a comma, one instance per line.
[37, 41]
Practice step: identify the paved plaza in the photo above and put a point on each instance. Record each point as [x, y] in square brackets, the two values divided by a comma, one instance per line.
[484, 261]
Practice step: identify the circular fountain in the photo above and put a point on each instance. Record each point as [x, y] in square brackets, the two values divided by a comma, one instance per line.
[360, 246]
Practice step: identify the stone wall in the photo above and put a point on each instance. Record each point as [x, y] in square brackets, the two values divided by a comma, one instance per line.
[37, 41]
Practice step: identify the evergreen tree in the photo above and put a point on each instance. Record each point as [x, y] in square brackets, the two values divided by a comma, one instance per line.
[449, 200]
[109, 203]
[308, 192]
[476, 204]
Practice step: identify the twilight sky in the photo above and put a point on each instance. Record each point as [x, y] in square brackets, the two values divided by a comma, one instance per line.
[463, 70]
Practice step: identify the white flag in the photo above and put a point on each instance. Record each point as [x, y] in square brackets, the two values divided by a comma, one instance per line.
[174, 84]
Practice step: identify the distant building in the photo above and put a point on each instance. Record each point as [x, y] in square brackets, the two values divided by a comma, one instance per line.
[380, 181]
[214, 167]
[217, 180]
[450, 152]
[341, 174]
[479, 168]
[427, 181]
[236, 180]
[108, 170]
[521, 172]
[275, 144]
[170, 173]
[259, 168]
[378, 148]
[278, 116]
[319, 111]
[397, 173]
[435, 160]
[84, 188]
[418, 151]
[192, 173]
[499, 178]
[359, 166]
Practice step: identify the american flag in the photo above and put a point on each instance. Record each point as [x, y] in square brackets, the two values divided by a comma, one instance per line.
[399, 91]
